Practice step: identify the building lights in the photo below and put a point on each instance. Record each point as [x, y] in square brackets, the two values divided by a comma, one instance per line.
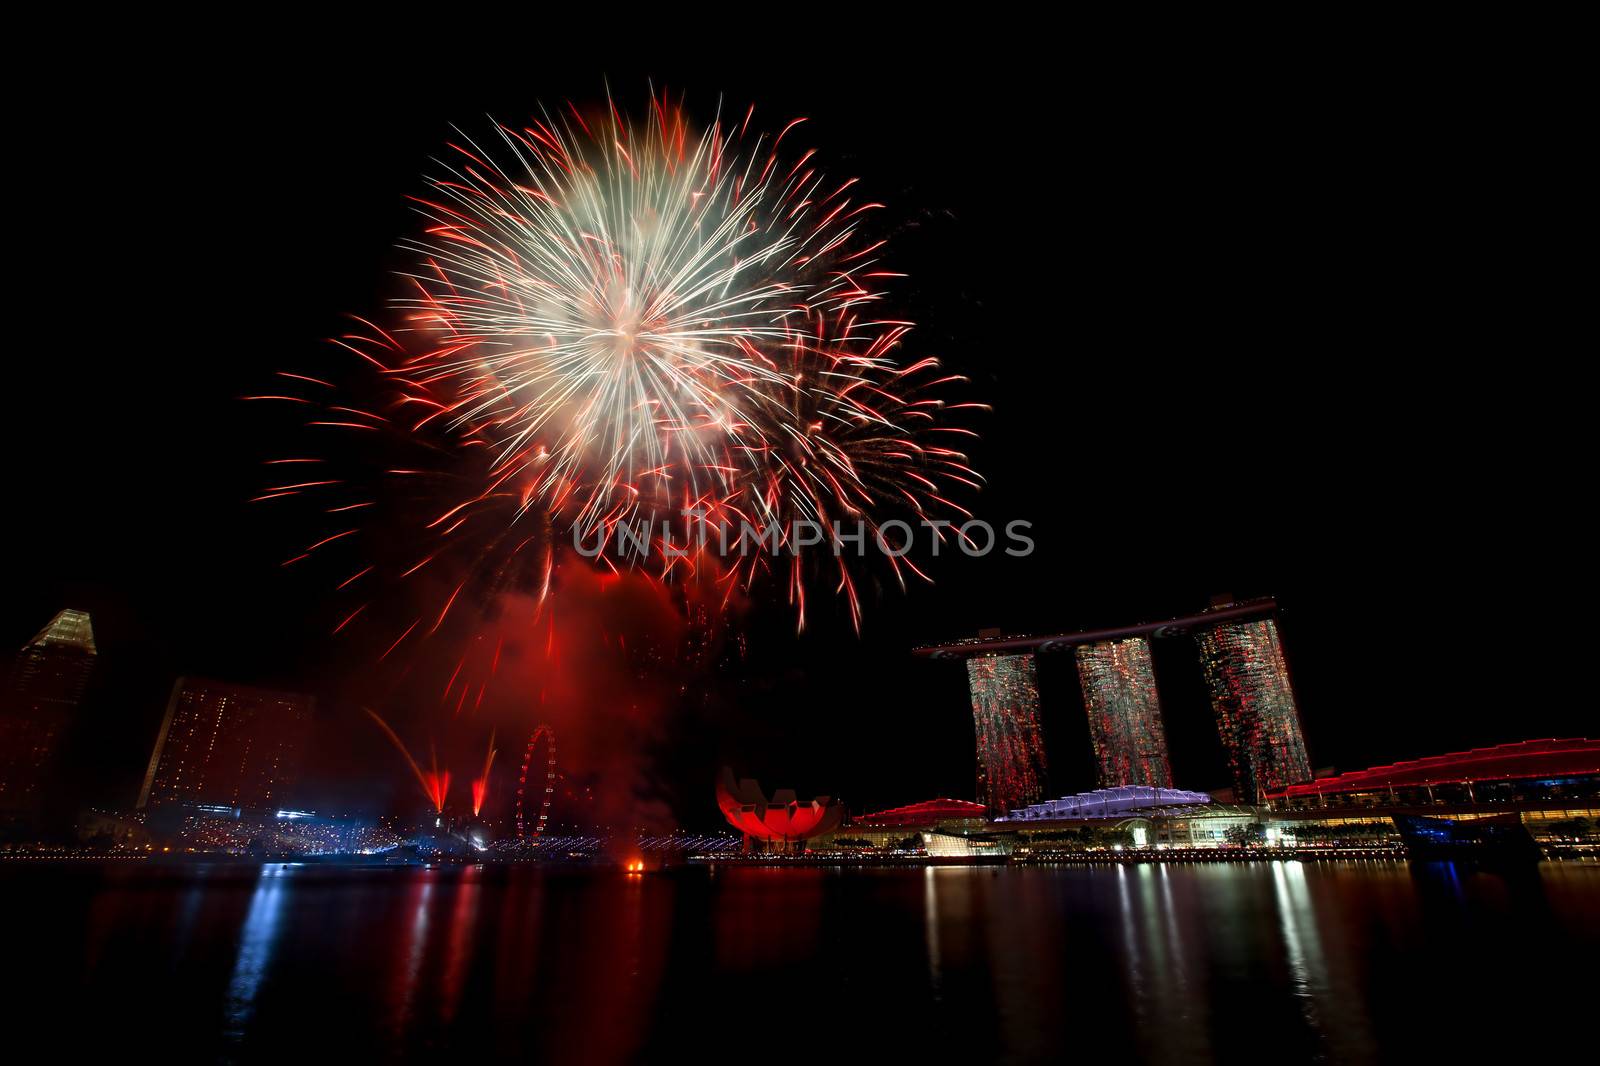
[1255, 708]
[38, 703]
[1005, 716]
[227, 746]
[1124, 710]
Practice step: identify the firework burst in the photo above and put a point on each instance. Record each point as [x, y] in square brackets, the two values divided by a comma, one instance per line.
[610, 324]
[609, 304]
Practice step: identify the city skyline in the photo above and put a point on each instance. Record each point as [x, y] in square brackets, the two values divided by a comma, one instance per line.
[528, 548]
[1145, 502]
[263, 733]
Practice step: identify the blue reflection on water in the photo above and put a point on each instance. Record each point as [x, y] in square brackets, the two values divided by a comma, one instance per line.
[256, 941]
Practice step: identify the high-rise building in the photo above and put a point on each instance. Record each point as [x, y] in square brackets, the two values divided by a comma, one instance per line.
[1005, 714]
[41, 696]
[1255, 708]
[1119, 693]
[228, 745]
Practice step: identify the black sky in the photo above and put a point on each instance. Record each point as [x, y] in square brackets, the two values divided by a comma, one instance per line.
[1191, 290]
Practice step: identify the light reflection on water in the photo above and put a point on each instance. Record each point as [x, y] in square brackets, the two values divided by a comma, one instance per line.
[1177, 962]
[410, 946]
[463, 917]
[256, 939]
[930, 922]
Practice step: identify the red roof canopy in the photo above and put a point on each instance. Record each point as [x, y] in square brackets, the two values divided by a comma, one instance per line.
[928, 812]
[1503, 762]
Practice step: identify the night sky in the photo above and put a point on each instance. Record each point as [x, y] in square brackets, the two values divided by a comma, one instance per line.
[1178, 286]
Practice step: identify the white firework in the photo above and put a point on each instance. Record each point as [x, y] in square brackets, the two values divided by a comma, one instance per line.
[617, 311]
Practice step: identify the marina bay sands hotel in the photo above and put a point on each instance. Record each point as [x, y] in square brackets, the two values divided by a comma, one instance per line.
[1244, 670]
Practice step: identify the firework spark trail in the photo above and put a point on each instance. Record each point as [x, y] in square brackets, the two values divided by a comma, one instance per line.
[480, 784]
[611, 325]
[854, 442]
[435, 783]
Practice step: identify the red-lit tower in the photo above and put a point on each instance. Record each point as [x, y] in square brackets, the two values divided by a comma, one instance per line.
[41, 696]
[1119, 694]
[1005, 716]
[1255, 707]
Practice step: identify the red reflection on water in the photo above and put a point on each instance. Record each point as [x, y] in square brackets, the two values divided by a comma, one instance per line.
[463, 917]
[767, 915]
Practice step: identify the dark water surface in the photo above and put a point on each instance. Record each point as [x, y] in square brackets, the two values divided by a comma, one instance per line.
[1273, 961]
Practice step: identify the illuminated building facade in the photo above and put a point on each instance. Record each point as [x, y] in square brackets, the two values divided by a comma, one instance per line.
[47, 682]
[227, 746]
[924, 815]
[1530, 771]
[1106, 803]
[1119, 694]
[943, 828]
[779, 823]
[909, 828]
[1130, 816]
[1005, 715]
[1254, 705]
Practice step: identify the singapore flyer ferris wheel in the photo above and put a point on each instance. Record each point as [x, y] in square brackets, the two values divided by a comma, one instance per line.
[544, 785]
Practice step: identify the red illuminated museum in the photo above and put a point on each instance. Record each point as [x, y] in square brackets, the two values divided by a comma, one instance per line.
[777, 823]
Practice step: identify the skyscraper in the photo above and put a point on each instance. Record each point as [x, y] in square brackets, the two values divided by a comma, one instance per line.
[1119, 693]
[229, 745]
[1005, 714]
[41, 696]
[1254, 705]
